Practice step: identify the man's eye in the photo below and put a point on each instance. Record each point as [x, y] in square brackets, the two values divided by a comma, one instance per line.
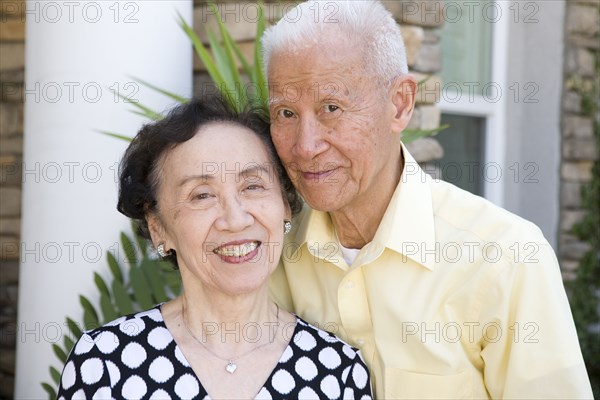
[285, 113]
[329, 108]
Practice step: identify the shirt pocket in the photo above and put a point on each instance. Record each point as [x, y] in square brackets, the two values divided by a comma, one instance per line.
[402, 384]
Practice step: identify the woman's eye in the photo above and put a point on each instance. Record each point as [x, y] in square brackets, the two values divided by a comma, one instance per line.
[285, 113]
[201, 196]
[329, 108]
[254, 187]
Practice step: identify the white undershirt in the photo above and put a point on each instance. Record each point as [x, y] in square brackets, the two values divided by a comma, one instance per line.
[348, 254]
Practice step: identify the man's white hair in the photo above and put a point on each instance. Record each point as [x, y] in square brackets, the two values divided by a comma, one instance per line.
[365, 23]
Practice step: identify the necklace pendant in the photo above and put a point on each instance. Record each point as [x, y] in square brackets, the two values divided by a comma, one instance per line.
[231, 367]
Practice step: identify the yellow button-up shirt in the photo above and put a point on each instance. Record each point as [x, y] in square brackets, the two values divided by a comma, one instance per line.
[453, 298]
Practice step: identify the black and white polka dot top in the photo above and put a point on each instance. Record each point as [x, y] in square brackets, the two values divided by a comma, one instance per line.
[135, 357]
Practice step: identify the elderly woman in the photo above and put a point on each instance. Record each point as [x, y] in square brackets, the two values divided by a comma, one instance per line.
[207, 188]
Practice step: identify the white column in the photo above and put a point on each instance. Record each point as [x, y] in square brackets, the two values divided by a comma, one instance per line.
[75, 53]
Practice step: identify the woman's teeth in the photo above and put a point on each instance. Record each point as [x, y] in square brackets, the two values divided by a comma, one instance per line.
[239, 250]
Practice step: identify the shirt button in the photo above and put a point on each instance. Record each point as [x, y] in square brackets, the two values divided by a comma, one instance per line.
[350, 285]
[360, 341]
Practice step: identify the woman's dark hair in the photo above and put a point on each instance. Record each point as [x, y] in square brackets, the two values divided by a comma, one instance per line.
[138, 174]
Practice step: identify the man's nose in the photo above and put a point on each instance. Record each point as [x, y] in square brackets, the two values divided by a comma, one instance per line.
[311, 138]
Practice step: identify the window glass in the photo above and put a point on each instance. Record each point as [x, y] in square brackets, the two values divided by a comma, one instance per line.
[463, 163]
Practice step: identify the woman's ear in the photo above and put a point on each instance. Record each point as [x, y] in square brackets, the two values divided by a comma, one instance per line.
[156, 229]
[403, 95]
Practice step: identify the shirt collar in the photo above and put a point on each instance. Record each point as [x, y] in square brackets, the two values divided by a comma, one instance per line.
[407, 226]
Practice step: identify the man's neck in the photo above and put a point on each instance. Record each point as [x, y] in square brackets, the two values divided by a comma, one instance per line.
[357, 223]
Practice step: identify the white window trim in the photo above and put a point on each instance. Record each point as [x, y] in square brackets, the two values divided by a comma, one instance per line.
[494, 113]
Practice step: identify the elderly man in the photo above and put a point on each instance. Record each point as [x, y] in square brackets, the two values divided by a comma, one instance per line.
[446, 295]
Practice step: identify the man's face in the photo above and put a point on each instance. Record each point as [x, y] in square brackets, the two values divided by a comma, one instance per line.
[332, 125]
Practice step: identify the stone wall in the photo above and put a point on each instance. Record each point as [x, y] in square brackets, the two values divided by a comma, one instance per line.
[579, 149]
[419, 23]
[12, 38]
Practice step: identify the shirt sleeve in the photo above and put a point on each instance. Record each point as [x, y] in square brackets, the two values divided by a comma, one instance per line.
[85, 374]
[530, 345]
[280, 288]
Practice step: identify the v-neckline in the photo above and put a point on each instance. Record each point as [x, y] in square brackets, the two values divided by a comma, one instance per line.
[202, 389]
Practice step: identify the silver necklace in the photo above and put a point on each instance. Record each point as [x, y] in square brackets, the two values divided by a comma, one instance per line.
[231, 362]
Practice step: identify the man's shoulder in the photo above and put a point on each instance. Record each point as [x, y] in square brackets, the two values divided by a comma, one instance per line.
[456, 210]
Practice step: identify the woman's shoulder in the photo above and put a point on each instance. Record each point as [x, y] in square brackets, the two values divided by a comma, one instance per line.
[308, 335]
[131, 324]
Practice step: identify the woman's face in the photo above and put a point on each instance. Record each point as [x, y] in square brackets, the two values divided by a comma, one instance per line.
[220, 207]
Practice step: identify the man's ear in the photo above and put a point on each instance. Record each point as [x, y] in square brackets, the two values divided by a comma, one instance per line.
[403, 95]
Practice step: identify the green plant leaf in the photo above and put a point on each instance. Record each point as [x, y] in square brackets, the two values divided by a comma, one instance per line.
[129, 249]
[55, 374]
[140, 286]
[109, 312]
[113, 264]
[141, 109]
[259, 75]
[60, 353]
[228, 61]
[122, 299]
[153, 276]
[74, 328]
[50, 390]
[204, 55]
[221, 62]
[90, 316]
[171, 95]
[410, 135]
[68, 343]
[116, 135]
[100, 284]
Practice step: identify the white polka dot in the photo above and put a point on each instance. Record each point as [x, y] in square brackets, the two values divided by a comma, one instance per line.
[154, 314]
[287, 354]
[180, 357]
[107, 342]
[349, 351]
[264, 394]
[329, 358]
[132, 327]
[306, 368]
[327, 336]
[160, 395]
[84, 344]
[161, 370]
[331, 387]
[113, 373]
[360, 376]
[134, 388]
[79, 395]
[307, 394]
[187, 387]
[103, 393]
[366, 397]
[92, 370]
[305, 340]
[348, 393]
[159, 338]
[68, 375]
[345, 373]
[133, 355]
[283, 382]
